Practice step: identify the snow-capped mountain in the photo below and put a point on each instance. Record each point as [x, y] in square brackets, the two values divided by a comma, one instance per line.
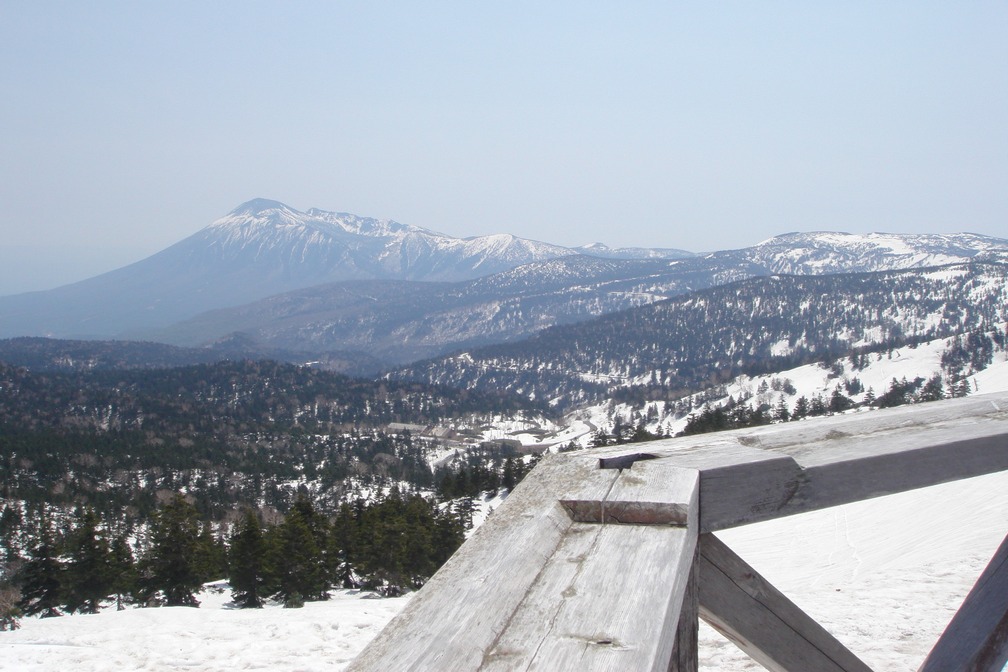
[604, 251]
[403, 322]
[833, 252]
[333, 246]
[264, 249]
[259, 249]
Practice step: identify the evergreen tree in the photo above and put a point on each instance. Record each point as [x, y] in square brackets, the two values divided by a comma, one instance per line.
[933, 389]
[508, 478]
[211, 555]
[10, 528]
[247, 562]
[297, 561]
[341, 552]
[839, 402]
[42, 576]
[171, 563]
[781, 412]
[123, 569]
[641, 434]
[88, 575]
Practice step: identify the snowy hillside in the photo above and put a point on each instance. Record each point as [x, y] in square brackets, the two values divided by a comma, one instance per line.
[763, 324]
[604, 251]
[787, 386]
[870, 572]
[834, 252]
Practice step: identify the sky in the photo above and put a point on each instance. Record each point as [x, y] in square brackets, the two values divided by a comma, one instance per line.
[128, 126]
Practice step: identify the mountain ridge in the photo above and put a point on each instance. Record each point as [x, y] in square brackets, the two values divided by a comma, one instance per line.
[419, 320]
[708, 336]
[264, 249]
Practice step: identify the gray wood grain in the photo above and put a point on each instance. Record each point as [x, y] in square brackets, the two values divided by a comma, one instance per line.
[756, 474]
[465, 606]
[645, 493]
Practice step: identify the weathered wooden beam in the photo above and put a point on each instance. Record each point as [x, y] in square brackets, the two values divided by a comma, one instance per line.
[648, 492]
[535, 590]
[466, 605]
[686, 652]
[545, 586]
[976, 639]
[760, 620]
[609, 599]
[756, 474]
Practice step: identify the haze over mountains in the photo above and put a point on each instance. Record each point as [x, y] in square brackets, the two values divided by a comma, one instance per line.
[269, 278]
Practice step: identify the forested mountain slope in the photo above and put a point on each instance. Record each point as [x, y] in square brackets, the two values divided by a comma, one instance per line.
[703, 338]
[226, 433]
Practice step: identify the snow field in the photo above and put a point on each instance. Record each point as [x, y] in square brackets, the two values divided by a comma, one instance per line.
[883, 575]
[214, 637]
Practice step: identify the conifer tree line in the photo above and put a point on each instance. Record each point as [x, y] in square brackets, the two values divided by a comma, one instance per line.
[478, 470]
[391, 544]
[738, 414]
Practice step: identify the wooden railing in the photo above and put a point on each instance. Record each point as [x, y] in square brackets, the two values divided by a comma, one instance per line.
[605, 559]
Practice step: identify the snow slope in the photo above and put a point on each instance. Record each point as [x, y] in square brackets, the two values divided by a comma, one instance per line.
[321, 636]
[883, 575]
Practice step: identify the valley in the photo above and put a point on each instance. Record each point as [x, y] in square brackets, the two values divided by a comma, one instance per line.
[374, 383]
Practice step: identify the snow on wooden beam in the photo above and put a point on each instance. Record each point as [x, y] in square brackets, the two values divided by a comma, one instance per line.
[976, 640]
[760, 620]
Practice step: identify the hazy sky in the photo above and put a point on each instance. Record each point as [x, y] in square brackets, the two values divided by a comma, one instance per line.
[129, 126]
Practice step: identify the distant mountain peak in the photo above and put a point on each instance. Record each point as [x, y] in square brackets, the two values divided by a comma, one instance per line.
[258, 206]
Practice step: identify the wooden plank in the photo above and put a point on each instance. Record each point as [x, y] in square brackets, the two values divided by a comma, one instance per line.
[608, 599]
[646, 493]
[758, 474]
[686, 652]
[458, 615]
[612, 594]
[585, 501]
[760, 620]
[755, 485]
[976, 639]
[653, 492]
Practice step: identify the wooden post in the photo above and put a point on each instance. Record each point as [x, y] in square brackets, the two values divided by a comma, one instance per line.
[976, 640]
[591, 563]
[686, 654]
[546, 586]
[760, 620]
